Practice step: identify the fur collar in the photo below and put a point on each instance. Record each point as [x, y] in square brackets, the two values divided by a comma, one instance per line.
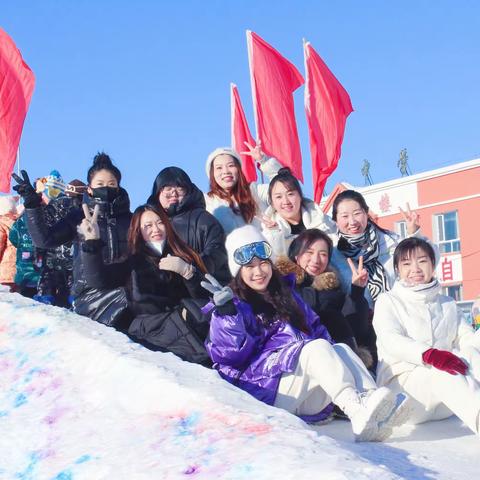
[327, 280]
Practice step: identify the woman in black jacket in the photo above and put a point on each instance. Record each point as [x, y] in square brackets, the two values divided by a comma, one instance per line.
[164, 271]
[184, 204]
[102, 298]
[345, 316]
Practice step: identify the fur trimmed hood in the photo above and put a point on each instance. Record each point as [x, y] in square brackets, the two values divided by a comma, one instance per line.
[327, 280]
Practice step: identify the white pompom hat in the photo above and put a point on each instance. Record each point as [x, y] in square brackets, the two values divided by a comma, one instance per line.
[220, 151]
[238, 238]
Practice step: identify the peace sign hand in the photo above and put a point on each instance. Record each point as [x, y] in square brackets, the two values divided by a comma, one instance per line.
[88, 229]
[412, 219]
[360, 274]
[268, 222]
[26, 190]
[255, 151]
[221, 295]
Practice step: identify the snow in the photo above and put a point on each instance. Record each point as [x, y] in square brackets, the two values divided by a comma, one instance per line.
[81, 401]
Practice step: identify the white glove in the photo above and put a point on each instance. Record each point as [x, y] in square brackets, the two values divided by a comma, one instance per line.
[177, 265]
[221, 295]
[88, 229]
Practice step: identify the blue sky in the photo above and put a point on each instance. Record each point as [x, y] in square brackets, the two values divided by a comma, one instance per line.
[148, 81]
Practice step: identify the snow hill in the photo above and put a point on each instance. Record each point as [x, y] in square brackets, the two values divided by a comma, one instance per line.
[80, 401]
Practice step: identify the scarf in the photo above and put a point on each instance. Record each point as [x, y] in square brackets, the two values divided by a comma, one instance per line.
[366, 244]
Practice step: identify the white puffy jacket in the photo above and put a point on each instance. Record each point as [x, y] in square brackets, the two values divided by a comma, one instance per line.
[281, 237]
[408, 323]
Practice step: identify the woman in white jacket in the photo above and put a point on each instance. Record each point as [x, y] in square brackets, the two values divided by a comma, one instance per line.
[231, 199]
[425, 346]
[290, 213]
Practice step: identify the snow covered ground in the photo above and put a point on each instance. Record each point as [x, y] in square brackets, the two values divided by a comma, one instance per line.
[80, 401]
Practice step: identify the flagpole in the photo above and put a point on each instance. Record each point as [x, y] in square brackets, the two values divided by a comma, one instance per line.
[18, 160]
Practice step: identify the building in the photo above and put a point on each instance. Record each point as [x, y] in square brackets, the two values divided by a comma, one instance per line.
[448, 202]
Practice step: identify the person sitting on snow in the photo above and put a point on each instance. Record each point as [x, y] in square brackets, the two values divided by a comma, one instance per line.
[107, 304]
[426, 348]
[267, 341]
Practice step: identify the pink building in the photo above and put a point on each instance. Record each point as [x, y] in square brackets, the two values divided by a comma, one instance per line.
[448, 201]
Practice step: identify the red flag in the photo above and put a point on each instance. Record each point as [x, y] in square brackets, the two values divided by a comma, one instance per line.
[16, 88]
[327, 106]
[241, 133]
[274, 79]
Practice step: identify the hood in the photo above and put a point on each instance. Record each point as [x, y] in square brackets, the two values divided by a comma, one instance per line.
[175, 176]
[327, 280]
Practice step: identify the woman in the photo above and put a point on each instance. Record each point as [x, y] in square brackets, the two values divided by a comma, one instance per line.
[184, 204]
[267, 341]
[346, 316]
[101, 298]
[164, 272]
[359, 236]
[290, 213]
[426, 348]
[231, 199]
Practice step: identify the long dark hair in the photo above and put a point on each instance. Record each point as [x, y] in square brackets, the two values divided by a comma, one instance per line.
[136, 243]
[276, 303]
[240, 193]
[305, 240]
[101, 161]
[290, 182]
[356, 197]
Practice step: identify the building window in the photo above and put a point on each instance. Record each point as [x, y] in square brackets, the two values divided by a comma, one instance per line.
[446, 232]
[401, 229]
[454, 291]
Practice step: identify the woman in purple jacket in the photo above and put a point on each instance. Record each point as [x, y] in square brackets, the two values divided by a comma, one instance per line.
[267, 341]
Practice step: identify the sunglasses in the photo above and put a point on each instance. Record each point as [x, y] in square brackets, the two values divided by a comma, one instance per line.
[244, 255]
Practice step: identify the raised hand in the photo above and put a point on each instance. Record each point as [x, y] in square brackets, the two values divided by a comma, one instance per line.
[254, 151]
[359, 274]
[26, 190]
[412, 219]
[177, 265]
[88, 229]
[221, 295]
[267, 222]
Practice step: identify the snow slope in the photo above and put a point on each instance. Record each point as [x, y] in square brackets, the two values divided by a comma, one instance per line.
[80, 401]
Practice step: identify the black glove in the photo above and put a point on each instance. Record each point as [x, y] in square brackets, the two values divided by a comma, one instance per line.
[25, 189]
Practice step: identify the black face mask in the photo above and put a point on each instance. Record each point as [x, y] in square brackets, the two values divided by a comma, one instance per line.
[107, 194]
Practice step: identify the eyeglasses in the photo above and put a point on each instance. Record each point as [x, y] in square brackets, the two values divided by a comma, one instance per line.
[171, 191]
[244, 255]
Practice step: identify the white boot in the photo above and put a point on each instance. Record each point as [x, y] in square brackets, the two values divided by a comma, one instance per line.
[373, 413]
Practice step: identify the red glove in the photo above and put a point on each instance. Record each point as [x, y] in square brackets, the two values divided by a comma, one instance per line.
[445, 361]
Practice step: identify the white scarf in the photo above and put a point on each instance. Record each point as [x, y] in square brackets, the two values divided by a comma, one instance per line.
[157, 247]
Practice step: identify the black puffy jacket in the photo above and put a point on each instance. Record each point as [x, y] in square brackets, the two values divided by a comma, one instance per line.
[113, 221]
[56, 277]
[195, 226]
[160, 322]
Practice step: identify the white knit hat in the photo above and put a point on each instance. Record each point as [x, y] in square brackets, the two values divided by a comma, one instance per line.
[238, 238]
[220, 151]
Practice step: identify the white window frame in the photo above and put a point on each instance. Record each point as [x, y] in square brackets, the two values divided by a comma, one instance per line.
[460, 287]
[401, 229]
[439, 231]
